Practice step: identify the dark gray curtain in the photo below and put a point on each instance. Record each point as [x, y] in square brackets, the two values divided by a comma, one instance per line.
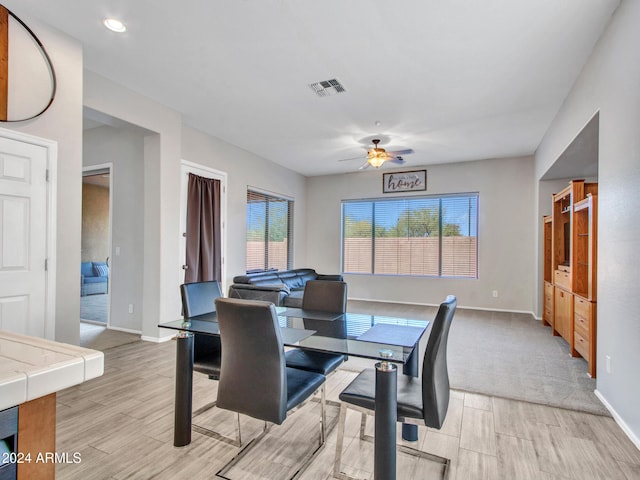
[203, 230]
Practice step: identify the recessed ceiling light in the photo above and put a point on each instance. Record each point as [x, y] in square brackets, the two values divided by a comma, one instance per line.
[114, 25]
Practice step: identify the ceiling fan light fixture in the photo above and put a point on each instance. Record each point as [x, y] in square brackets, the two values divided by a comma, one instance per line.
[377, 159]
[376, 156]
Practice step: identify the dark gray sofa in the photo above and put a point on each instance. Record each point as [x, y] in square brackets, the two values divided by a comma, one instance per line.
[282, 287]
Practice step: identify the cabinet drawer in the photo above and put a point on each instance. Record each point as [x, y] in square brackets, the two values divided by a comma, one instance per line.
[581, 325]
[581, 345]
[548, 315]
[548, 298]
[562, 279]
[548, 289]
[582, 307]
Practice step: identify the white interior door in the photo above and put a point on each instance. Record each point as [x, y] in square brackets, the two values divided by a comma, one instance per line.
[23, 237]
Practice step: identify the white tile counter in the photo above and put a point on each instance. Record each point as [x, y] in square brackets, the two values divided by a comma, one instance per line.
[32, 367]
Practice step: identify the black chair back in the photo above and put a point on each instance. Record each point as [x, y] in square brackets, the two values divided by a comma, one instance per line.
[435, 376]
[253, 378]
[198, 298]
[325, 296]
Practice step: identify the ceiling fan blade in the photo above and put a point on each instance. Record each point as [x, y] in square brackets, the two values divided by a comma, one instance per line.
[364, 165]
[398, 160]
[350, 159]
[400, 152]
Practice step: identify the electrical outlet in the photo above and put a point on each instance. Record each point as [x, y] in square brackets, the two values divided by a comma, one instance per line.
[495, 294]
[131, 308]
[607, 361]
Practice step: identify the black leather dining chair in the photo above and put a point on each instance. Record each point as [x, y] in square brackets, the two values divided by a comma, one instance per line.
[254, 379]
[420, 400]
[319, 296]
[198, 298]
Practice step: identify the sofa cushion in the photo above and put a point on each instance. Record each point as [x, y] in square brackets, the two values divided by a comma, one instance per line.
[95, 279]
[290, 279]
[305, 276]
[86, 269]
[267, 280]
[294, 299]
[100, 269]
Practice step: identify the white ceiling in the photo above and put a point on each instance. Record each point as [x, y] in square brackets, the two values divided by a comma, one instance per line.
[454, 80]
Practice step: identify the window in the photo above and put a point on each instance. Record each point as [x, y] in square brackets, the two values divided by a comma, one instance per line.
[269, 232]
[425, 235]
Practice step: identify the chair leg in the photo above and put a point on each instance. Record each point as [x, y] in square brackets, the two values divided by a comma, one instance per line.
[213, 434]
[208, 406]
[323, 419]
[337, 466]
[445, 462]
[323, 435]
[308, 459]
[363, 425]
[244, 450]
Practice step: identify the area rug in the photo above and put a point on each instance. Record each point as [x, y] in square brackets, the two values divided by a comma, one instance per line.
[94, 307]
[509, 355]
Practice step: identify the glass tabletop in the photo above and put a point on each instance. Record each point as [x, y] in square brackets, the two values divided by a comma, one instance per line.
[361, 335]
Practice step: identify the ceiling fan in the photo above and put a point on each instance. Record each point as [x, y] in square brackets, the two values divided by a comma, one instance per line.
[377, 156]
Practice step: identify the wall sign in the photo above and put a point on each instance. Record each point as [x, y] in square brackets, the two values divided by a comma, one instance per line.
[412, 181]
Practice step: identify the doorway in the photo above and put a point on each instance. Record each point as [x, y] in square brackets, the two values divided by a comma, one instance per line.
[95, 266]
[187, 168]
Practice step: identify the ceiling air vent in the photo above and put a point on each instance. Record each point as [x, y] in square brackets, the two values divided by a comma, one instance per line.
[327, 87]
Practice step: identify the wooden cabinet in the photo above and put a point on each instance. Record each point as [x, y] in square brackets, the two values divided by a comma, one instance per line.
[570, 269]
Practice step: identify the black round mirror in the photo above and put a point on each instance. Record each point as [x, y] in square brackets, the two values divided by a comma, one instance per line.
[27, 78]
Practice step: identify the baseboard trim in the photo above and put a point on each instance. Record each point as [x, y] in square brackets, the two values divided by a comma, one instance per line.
[125, 330]
[618, 419]
[527, 312]
[157, 339]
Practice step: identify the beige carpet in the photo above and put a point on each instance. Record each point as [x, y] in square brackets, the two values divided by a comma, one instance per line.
[95, 308]
[508, 355]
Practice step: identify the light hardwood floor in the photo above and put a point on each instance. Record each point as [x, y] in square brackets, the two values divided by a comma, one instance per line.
[122, 426]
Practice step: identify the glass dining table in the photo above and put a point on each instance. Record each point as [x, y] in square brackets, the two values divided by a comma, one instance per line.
[393, 341]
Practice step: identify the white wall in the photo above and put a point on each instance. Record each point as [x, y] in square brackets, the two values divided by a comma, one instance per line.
[125, 150]
[246, 169]
[506, 234]
[610, 84]
[63, 124]
[161, 298]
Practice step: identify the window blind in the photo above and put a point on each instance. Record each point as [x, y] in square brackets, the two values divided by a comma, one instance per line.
[429, 235]
[269, 232]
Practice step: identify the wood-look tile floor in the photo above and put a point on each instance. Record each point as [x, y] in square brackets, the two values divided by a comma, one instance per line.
[122, 425]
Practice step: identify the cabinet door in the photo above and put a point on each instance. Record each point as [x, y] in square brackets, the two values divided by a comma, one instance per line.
[563, 314]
